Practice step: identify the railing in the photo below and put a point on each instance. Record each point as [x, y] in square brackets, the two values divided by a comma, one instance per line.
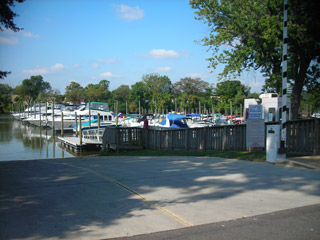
[94, 135]
[226, 138]
[122, 138]
[302, 138]
[210, 138]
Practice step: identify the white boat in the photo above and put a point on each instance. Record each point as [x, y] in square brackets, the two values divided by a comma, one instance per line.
[93, 112]
[69, 119]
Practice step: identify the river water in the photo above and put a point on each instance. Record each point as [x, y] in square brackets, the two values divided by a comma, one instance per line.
[20, 141]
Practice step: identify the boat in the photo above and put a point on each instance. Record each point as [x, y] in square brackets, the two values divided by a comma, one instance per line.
[92, 112]
[173, 121]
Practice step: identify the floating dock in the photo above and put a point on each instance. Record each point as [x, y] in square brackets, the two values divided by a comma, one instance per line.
[73, 144]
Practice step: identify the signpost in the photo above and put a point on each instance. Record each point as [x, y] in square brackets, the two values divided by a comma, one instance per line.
[255, 128]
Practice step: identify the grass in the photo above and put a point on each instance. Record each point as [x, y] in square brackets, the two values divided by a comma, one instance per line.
[248, 156]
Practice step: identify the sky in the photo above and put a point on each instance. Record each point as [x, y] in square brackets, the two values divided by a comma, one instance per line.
[86, 41]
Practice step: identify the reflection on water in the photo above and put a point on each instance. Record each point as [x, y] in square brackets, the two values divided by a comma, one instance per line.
[20, 140]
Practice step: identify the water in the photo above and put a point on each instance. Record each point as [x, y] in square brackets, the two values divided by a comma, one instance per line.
[19, 141]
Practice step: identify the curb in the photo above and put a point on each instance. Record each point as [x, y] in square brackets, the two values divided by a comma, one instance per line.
[291, 163]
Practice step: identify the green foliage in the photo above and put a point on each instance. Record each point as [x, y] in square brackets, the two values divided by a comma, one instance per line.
[74, 93]
[154, 92]
[5, 98]
[121, 94]
[137, 94]
[7, 15]
[247, 34]
[97, 92]
[158, 89]
[227, 91]
[31, 87]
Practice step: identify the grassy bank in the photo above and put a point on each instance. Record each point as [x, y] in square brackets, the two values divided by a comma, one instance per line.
[249, 156]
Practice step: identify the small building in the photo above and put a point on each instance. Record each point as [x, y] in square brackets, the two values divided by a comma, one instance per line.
[271, 105]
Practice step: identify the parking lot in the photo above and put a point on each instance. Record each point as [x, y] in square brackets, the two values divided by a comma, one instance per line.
[106, 197]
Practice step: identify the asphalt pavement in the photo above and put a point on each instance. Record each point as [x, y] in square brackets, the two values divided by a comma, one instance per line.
[112, 197]
[293, 224]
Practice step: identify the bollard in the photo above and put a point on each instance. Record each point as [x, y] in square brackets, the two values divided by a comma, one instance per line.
[80, 132]
[53, 114]
[89, 114]
[76, 123]
[40, 115]
[46, 113]
[61, 124]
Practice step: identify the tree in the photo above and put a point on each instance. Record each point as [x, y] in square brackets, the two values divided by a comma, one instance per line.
[234, 91]
[6, 21]
[121, 94]
[97, 92]
[192, 86]
[137, 93]
[74, 93]
[32, 87]
[5, 97]
[252, 30]
[158, 89]
[189, 91]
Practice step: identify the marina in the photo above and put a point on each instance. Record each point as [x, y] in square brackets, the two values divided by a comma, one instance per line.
[96, 128]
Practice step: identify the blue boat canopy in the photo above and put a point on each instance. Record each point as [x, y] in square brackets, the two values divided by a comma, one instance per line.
[175, 121]
[176, 117]
[193, 115]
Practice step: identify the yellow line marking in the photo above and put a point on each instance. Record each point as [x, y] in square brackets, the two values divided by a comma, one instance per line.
[151, 202]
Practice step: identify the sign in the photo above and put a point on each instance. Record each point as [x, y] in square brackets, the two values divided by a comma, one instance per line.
[255, 133]
[255, 112]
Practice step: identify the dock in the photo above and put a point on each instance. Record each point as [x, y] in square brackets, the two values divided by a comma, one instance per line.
[73, 144]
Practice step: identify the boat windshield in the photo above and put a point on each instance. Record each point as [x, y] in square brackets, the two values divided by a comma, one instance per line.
[98, 106]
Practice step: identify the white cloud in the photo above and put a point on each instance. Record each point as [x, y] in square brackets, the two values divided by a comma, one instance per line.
[30, 35]
[109, 75]
[45, 70]
[196, 75]
[163, 69]
[95, 65]
[37, 71]
[109, 60]
[129, 13]
[57, 67]
[163, 54]
[9, 41]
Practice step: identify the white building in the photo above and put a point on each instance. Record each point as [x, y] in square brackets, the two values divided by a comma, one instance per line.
[271, 105]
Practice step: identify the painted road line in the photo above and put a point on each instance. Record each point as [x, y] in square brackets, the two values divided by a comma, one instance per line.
[149, 201]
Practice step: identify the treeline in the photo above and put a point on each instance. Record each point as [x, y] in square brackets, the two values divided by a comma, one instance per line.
[154, 93]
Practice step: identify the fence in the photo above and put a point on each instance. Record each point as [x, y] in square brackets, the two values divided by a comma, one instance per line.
[227, 138]
[302, 138]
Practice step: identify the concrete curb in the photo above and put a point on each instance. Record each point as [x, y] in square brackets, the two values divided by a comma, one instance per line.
[291, 163]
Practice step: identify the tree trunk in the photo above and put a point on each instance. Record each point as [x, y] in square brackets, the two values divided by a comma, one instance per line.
[299, 79]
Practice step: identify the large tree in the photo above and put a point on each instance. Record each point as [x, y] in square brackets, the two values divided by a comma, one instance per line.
[97, 92]
[189, 91]
[31, 87]
[5, 97]
[121, 94]
[247, 34]
[74, 93]
[227, 91]
[158, 90]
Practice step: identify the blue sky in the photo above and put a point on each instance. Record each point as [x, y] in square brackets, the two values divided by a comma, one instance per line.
[86, 41]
